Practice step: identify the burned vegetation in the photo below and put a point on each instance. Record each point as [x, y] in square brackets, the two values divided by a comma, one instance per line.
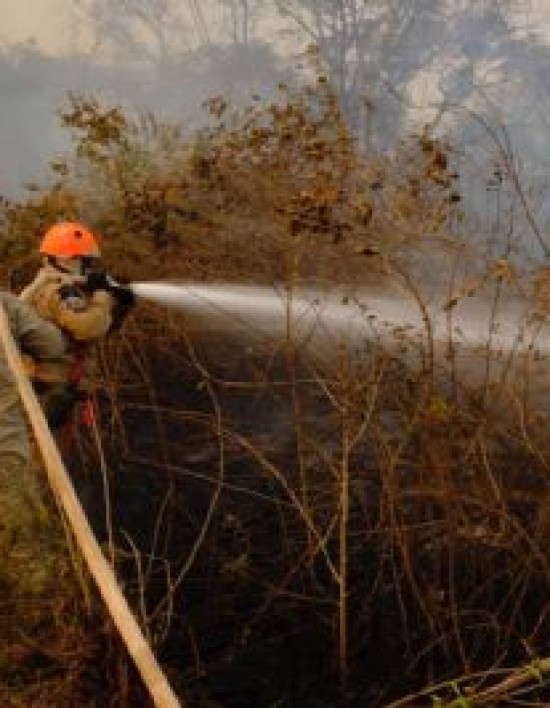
[289, 534]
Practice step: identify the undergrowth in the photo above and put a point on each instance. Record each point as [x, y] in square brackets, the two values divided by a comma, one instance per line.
[290, 534]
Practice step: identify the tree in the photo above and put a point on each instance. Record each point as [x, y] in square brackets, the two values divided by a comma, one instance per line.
[157, 30]
[151, 30]
[375, 49]
[364, 45]
[243, 15]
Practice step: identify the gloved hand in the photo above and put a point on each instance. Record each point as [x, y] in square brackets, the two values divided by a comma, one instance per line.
[124, 301]
[123, 295]
[97, 280]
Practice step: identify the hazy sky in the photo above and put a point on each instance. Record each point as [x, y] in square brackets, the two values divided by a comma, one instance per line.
[50, 22]
[56, 24]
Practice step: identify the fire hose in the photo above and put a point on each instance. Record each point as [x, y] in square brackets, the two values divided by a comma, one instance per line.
[146, 663]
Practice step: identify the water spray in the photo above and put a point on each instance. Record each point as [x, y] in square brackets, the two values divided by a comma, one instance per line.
[481, 343]
[348, 314]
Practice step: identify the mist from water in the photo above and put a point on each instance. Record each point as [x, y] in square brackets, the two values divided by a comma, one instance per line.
[499, 346]
[315, 316]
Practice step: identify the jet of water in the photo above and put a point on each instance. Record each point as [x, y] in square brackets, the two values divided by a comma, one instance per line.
[480, 341]
[313, 314]
[304, 314]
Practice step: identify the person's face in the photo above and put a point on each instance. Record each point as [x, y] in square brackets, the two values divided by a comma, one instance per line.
[73, 266]
[77, 265]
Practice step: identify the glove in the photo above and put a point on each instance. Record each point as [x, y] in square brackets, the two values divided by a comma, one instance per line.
[59, 401]
[97, 280]
[123, 295]
[124, 301]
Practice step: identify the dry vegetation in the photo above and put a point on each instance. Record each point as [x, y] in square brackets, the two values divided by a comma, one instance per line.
[291, 536]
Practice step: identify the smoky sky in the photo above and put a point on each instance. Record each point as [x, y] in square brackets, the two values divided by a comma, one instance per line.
[49, 23]
[455, 59]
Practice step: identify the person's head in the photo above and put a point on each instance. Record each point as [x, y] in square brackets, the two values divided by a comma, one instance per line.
[71, 247]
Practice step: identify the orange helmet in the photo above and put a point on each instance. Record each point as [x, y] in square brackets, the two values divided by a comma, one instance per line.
[69, 240]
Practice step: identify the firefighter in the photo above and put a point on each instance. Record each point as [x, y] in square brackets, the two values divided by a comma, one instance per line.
[22, 510]
[46, 344]
[72, 291]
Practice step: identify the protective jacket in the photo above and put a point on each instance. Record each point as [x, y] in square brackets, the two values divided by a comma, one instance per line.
[32, 564]
[83, 317]
[46, 344]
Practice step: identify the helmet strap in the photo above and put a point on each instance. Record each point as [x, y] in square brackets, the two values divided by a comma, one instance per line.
[62, 264]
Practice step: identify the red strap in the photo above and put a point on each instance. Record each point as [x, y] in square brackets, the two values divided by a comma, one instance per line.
[76, 370]
[88, 412]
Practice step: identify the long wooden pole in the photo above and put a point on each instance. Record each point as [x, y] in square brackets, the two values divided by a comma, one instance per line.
[138, 648]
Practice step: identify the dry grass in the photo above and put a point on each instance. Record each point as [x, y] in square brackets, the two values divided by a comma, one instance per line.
[408, 519]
